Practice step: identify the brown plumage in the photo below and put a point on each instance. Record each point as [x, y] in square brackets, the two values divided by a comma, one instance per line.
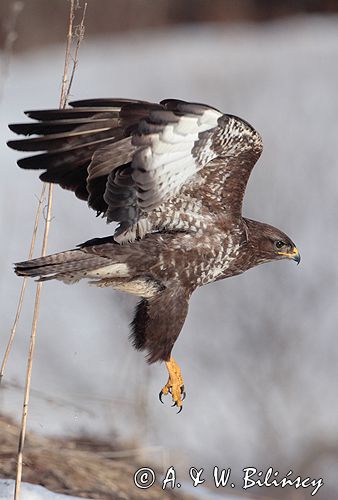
[173, 175]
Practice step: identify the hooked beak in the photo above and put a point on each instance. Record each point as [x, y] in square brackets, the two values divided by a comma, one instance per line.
[294, 255]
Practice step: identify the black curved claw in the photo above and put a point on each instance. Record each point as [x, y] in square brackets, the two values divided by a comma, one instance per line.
[160, 397]
[183, 395]
[180, 408]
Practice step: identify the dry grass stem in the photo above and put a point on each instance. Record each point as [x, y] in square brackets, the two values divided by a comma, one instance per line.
[65, 90]
[24, 284]
[80, 31]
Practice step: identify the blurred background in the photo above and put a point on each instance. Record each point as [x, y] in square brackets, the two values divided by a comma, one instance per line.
[258, 352]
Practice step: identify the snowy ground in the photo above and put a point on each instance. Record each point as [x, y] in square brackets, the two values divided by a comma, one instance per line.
[259, 353]
[30, 492]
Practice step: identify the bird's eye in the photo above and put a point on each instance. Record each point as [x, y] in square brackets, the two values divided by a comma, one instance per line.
[279, 244]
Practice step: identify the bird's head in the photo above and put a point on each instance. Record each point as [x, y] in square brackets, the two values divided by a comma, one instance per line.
[269, 243]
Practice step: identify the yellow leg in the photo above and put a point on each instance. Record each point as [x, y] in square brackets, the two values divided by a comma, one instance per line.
[175, 384]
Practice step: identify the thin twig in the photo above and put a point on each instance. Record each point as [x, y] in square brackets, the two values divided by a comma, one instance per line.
[24, 285]
[65, 90]
[80, 31]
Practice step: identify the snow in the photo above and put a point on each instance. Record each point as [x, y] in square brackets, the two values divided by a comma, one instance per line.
[258, 352]
[30, 492]
[37, 492]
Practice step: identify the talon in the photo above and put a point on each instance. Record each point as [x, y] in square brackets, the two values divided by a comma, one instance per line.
[179, 411]
[175, 385]
[160, 397]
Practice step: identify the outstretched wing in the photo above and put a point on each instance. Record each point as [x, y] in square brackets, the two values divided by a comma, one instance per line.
[129, 158]
[93, 132]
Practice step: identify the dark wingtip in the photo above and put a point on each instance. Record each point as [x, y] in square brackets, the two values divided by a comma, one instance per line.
[18, 145]
[105, 102]
[39, 114]
[15, 127]
[25, 162]
[35, 162]
[9, 144]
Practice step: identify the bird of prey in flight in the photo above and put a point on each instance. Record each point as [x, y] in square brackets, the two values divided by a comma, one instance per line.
[173, 176]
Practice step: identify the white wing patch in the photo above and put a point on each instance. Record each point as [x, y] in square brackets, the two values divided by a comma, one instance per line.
[164, 160]
[111, 271]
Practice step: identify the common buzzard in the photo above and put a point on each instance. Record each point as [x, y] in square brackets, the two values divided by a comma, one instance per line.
[173, 176]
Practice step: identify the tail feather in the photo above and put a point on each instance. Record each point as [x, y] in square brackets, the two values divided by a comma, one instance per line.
[62, 263]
